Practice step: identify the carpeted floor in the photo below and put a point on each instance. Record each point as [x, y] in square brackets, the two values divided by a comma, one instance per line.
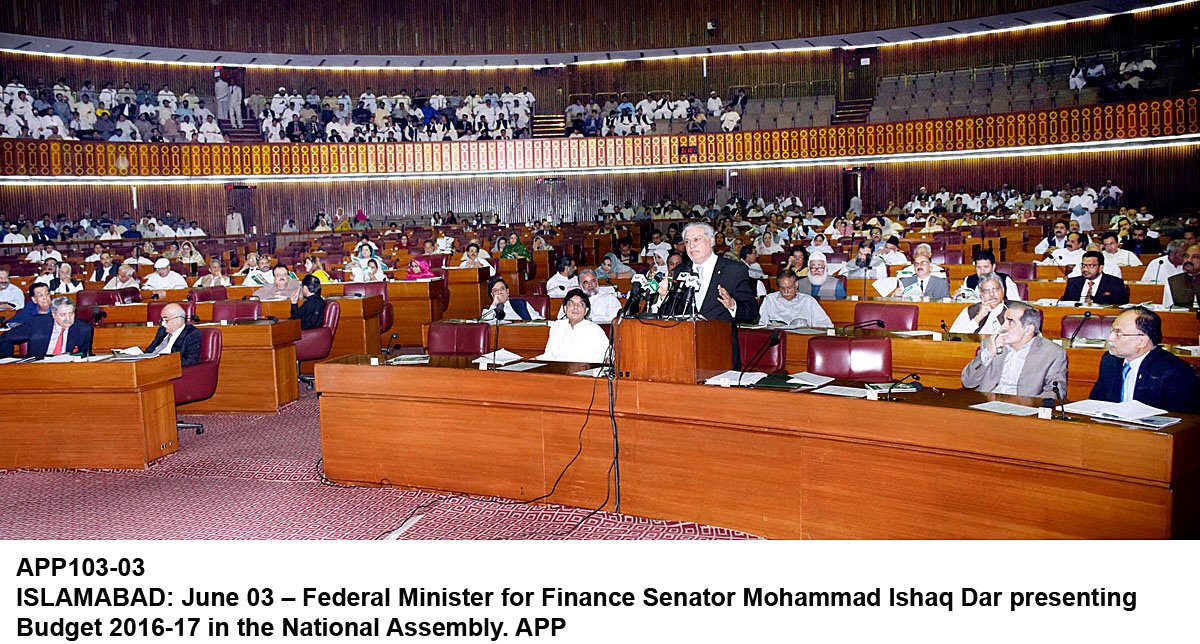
[257, 477]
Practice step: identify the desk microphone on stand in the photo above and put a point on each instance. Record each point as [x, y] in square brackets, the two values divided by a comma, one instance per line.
[863, 325]
[498, 311]
[773, 341]
[1086, 316]
[916, 381]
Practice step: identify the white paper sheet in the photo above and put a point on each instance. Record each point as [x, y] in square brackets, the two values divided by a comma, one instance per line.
[809, 379]
[835, 390]
[886, 286]
[731, 378]
[1009, 409]
[1131, 410]
[521, 366]
[500, 356]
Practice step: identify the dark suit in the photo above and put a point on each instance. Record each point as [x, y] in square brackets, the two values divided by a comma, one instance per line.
[1147, 246]
[187, 345]
[735, 277]
[99, 274]
[1164, 381]
[36, 333]
[1108, 290]
[311, 314]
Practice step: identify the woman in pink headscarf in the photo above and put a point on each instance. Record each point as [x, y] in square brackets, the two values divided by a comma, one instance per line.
[359, 216]
[418, 269]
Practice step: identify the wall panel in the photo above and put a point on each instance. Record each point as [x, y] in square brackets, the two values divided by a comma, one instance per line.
[1163, 179]
[498, 26]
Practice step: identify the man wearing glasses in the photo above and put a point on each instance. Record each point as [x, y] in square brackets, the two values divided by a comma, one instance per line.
[175, 335]
[1137, 368]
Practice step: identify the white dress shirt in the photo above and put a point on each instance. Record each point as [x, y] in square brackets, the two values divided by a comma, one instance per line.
[1122, 257]
[583, 342]
[1130, 382]
[605, 306]
[800, 311]
[510, 314]
[991, 324]
[10, 294]
[168, 342]
[705, 271]
[1014, 362]
[1159, 270]
[557, 286]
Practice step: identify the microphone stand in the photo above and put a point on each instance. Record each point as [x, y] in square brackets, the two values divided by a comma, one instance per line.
[774, 340]
[498, 312]
[1086, 316]
[864, 324]
[1061, 399]
[916, 379]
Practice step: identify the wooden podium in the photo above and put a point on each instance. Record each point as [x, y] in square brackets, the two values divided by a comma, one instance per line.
[672, 350]
[468, 292]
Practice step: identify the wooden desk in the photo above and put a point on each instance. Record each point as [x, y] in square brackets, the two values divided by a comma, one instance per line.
[358, 328]
[102, 414]
[258, 363]
[468, 292]
[513, 271]
[777, 464]
[136, 311]
[414, 303]
[1179, 327]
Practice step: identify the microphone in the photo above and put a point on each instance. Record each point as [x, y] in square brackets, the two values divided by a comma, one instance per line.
[154, 296]
[1086, 316]
[916, 381]
[773, 341]
[1058, 395]
[391, 344]
[863, 325]
[636, 295]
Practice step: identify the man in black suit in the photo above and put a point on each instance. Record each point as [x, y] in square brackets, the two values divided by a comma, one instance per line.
[1136, 368]
[51, 335]
[1141, 243]
[1093, 285]
[175, 335]
[726, 292]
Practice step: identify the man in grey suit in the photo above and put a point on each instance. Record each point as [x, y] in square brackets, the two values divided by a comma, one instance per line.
[924, 283]
[1018, 360]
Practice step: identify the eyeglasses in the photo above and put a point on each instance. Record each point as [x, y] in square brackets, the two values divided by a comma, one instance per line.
[1121, 334]
[169, 318]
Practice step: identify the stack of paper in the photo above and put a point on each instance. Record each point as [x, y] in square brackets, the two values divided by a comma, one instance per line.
[595, 372]
[500, 356]
[409, 359]
[999, 407]
[806, 379]
[521, 366]
[734, 378]
[1131, 410]
[886, 286]
[849, 392]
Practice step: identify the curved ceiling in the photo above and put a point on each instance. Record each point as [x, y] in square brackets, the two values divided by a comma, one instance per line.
[1076, 12]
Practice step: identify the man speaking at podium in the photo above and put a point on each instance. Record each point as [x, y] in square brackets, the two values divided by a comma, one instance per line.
[726, 292]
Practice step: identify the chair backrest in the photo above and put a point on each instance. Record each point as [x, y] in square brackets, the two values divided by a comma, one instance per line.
[333, 313]
[1018, 270]
[947, 256]
[209, 294]
[199, 381]
[867, 359]
[154, 310]
[230, 310]
[752, 341]
[451, 339]
[896, 317]
[366, 289]
[539, 303]
[1094, 328]
[86, 302]
[836, 258]
[539, 288]
[130, 294]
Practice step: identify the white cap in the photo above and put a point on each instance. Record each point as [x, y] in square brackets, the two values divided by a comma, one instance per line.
[817, 255]
[162, 262]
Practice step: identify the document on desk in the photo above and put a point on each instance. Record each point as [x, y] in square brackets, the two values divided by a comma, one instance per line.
[521, 366]
[66, 357]
[809, 379]
[803, 330]
[409, 359]
[594, 372]
[915, 334]
[1008, 409]
[500, 356]
[848, 392]
[1132, 410]
[735, 378]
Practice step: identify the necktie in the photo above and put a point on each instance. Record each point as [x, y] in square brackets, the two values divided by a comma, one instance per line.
[922, 285]
[58, 344]
[700, 291]
[1087, 294]
[1124, 379]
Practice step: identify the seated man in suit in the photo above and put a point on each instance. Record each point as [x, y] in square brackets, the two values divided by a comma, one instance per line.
[726, 291]
[312, 313]
[37, 304]
[1181, 289]
[1018, 360]
[1136, 368]
[985, 266]
[924, 283]
[504, 308]
[51, 335]
[175, 335]
[1093, 286]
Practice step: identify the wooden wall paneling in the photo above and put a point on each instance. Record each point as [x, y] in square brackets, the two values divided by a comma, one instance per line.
[99, 71]
[473, 28]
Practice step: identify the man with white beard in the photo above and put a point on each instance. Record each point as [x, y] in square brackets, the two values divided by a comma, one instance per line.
[819, 284]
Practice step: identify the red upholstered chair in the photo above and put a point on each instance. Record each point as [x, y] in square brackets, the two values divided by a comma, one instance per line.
[231, 310]
[315, 344]
[130, 295]
[388, 315]
[1023, 290]
[199, 381]
[1094, 328]
[538, 288]
[947, 257]
[866, 359]
[1018, 270]
[88, 303]
[896, 317]
[539, 303]
[451, 339]
[752, 341]
[210, 294]
[836, 258]
[154, 310]
[436, 260]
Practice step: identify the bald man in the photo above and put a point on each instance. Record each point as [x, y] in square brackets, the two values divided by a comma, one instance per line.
[175, 335]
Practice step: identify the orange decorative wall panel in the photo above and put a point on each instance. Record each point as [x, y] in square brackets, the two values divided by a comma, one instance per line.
[1144, 119]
